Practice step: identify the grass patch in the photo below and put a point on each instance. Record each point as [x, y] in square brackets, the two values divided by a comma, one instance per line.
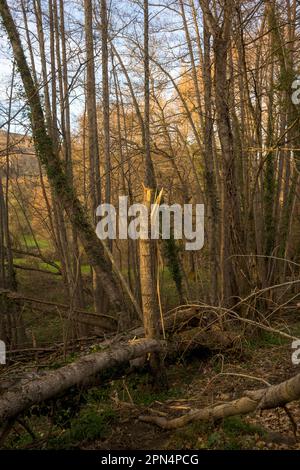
[266, 339]
[93, 422]
[140, 390]
[234, 434]
[190, 437]
[35, 263]
[30, 242]
[234, 426]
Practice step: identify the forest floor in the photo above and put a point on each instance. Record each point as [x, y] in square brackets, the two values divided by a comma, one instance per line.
[107, 415]
[196, 383]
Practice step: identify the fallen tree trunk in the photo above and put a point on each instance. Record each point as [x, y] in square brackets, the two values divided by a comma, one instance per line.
[272, 397]
[58, 381]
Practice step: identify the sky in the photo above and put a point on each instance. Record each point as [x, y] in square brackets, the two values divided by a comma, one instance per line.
[127, 20]
[5, 77]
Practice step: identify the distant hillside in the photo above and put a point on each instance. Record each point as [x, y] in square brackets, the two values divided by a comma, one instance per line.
[22, 158]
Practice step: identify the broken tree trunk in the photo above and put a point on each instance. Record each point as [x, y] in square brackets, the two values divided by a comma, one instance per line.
[272, 397]
[55, 382]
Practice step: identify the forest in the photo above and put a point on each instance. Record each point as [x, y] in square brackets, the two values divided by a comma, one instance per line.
[149, 225]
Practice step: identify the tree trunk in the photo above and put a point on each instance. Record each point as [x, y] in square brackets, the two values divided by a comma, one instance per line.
[100, 302]
[57, 178]
[148, 247]
[105, 104]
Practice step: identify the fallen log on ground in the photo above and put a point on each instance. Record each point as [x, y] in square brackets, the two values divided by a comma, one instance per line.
[55, 382]
[272, 397]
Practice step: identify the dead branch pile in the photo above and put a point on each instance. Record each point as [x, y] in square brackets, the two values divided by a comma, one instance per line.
[195, 328]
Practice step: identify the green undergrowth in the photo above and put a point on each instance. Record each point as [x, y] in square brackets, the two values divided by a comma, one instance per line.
[265, 339]
[93, 422]
[82, 416]
[231, 434]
